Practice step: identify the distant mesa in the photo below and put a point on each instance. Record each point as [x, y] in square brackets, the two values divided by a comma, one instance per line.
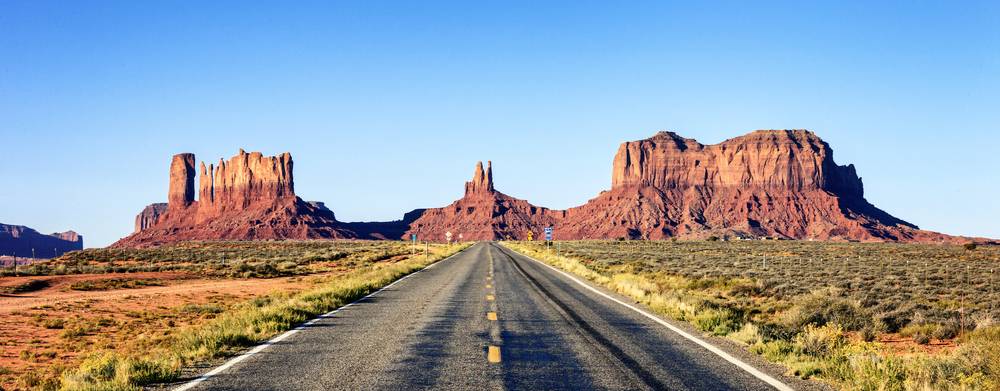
[23, 242]
[781, 184]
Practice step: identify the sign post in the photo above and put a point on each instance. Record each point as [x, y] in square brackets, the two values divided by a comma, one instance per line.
[447, 236]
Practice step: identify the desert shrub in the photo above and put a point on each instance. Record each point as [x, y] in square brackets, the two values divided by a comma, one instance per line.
[54, 323]
[775, 351]
[947, 330]
[201, 308]
[823, 308]
[718, 321]
[820, 341]
[111, 371]
[874, 372]
[29, 286]
[74, 332]
[970, 246]
[749, 334]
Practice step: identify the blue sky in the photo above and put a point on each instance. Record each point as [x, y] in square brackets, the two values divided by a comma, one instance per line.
[386, 106]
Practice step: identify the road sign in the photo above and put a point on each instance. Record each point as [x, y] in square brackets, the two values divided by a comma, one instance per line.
[548, 233]
[531, 236]
[447, 235]
[413, 237]
[459, 237]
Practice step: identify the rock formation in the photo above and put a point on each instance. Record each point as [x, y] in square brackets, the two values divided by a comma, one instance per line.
[769, 183]
[248, 197]
[18, 241]
[181, 191]
[149, 216]
[766, 184]
[481, 214]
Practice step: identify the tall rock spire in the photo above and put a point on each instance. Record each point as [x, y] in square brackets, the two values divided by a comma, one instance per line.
[181, 191]
[482, 181]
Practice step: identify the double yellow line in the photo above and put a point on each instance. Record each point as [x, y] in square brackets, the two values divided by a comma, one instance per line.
[493, 351]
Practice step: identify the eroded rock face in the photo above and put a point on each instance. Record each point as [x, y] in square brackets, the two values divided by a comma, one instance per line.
[24, 242]
[482, 214]
[779, 159]
[248, 197]
[149, 216]
[769, 183]
[181, 191]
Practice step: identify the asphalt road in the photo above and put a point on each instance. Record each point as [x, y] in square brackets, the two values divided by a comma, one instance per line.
[435, 330]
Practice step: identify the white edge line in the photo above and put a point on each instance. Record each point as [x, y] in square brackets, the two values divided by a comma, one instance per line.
[279, 338]
[712, 348]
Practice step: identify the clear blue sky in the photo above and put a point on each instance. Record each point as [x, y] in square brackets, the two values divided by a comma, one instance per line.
[386, 106]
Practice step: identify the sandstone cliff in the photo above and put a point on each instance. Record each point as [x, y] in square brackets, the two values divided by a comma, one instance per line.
[248, 197]
[769, 183]
[18, 240]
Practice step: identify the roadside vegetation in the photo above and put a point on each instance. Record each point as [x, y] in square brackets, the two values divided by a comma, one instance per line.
[128, 342]
[220, 259]
[859, 316]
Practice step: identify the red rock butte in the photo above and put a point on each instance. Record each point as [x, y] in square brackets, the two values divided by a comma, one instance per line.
[780, 184]
[248, 197]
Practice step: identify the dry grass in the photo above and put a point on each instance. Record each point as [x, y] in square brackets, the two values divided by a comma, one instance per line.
[825, 310]
[125, 342]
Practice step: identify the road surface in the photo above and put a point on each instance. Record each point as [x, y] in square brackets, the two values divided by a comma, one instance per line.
[487, 318]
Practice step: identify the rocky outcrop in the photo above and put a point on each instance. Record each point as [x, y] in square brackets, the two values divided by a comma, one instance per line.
[482, 181]
[769, 183]
[24, 242]
[766, 184]
[481, 214]
[181, 191]
[248, 197]
[149, 216]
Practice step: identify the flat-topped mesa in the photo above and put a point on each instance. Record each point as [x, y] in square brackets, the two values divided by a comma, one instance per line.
[482, 181]
[181, 192]
[244, 179]
[788, 159]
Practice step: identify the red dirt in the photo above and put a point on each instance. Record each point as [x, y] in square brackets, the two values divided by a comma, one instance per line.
[28, 333]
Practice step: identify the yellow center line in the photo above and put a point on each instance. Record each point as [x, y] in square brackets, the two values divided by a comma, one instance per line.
[488, 286]
[493, 355]
[491, 315]
[489, 297]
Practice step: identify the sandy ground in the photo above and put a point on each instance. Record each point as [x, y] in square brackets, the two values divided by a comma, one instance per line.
[36, 327]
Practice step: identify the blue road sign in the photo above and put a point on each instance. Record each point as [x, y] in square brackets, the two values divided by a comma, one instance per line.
[548, 233]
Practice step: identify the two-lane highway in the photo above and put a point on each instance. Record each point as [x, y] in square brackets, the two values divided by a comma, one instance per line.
[487, 318]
